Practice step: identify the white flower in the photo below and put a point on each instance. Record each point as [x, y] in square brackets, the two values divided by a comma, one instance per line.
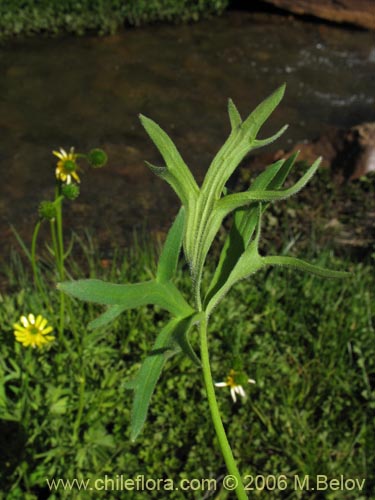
[235, 387]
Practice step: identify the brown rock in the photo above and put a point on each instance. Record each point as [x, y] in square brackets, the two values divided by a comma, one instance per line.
[357, 155]
[350, 153]
[358, 12]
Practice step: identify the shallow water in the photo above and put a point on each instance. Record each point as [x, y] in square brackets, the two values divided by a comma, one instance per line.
[87, 92]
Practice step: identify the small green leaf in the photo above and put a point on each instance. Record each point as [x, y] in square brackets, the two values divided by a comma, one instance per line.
[169, 257]
[150, 371]
[262, 112]
[176, 173]
[159, 171]
[234, 115]
[304, 266]
[264, 142]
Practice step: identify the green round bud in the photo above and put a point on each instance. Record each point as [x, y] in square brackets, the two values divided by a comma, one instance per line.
[70, 166]
[70, 191]
[47, 210]
[241, 378]
[97, 158]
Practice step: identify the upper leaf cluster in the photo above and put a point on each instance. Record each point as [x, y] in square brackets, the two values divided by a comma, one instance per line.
[195, 227]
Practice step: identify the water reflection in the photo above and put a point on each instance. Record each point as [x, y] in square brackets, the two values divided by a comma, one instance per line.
[87, 92]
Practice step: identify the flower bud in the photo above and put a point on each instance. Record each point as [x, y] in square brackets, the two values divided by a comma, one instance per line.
[70, 191]
[47, 210]
[97, 158]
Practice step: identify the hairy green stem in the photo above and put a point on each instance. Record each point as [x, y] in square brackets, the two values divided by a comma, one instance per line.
[215, 414]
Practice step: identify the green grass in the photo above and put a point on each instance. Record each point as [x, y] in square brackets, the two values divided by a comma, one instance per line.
[308, 342]
[26, 17]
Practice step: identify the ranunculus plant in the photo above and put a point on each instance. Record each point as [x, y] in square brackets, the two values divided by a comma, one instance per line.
[194, 229]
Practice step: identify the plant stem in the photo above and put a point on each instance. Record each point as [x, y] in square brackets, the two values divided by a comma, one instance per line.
[215, 413]
[59, 251]
[81, 405]
[34, 266]
[60, 239]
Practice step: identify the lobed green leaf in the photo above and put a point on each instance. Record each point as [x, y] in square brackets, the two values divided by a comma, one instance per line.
[234, 201]
[244, 223]
[239, 143]
[165, 295]
[204, 221]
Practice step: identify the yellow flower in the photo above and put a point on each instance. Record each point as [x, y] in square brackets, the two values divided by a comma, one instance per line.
[66, 166]
[33, 332]
[232, 381]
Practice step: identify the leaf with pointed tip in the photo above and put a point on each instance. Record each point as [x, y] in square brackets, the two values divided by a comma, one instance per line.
[165, 295]
[303, 266]
[149, 373]
[245, 219]
[234, 201]
[161, 172]
[176, 173]
[262, 112]
[234, 115]
[264, 142]
[169, 256]
[181, 337]
[281, 175]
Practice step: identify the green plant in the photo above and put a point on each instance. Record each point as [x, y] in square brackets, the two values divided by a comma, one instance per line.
[197, 224]
[66, 188]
